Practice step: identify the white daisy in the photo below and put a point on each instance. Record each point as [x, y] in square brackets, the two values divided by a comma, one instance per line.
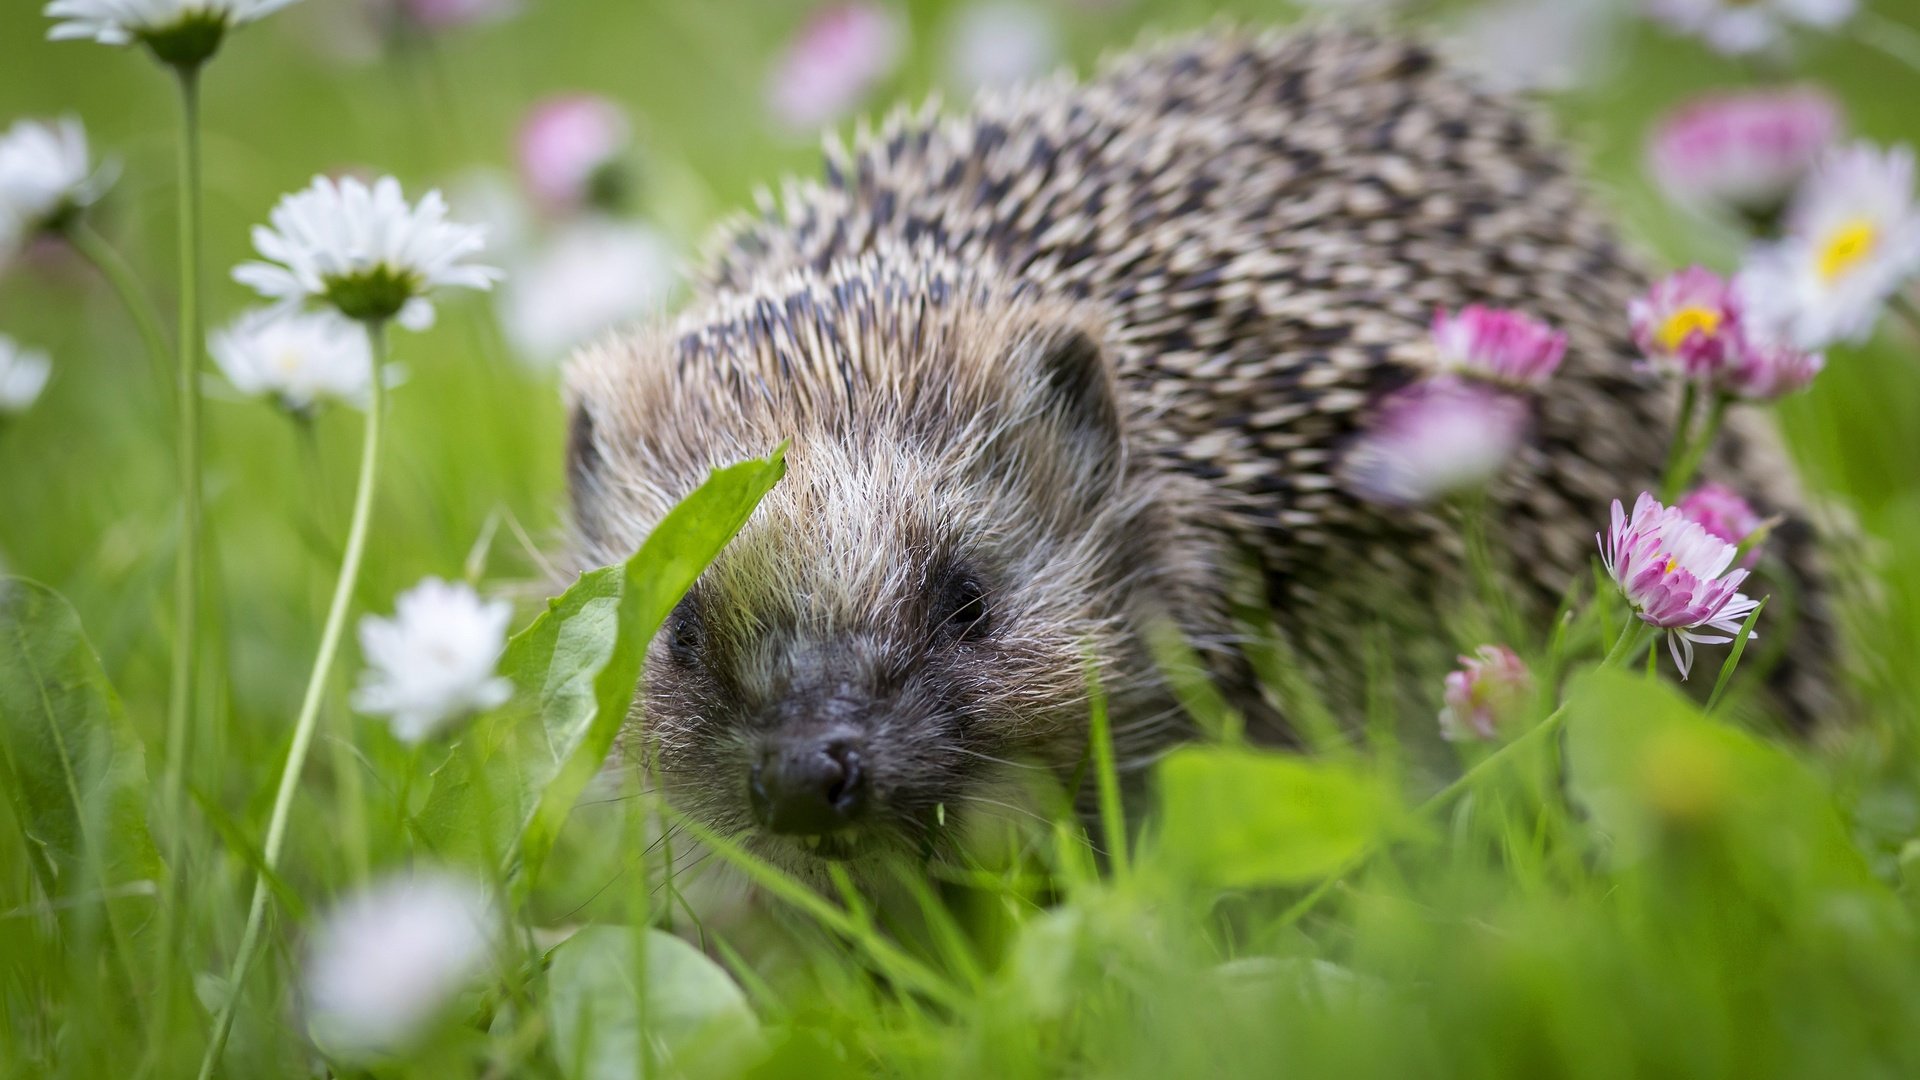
[1853, 238]
[301, 358]
[998, 42]
[45, 177]
[1544, 45]
[386, 962]
[433, 662]
[1737, 27]
[183, 32]
[23, 374]
[365, 251]
[593, 275]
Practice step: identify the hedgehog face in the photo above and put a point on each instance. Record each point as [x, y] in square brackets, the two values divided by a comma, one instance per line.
[904, 630]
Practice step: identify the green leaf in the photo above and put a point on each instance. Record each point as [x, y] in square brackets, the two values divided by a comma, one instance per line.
[692, 1019]
[511, 784]
[75, 770]
[1234, 817]
[1654, 774]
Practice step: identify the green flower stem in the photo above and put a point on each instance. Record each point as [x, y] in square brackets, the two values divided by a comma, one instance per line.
[303, 727]
[113, 266]
[187, 574]
[186, 598]
[1624, 650]
[1680, 471]
[1682, 428]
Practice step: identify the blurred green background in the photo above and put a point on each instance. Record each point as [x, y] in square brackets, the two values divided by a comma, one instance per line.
[87, 482]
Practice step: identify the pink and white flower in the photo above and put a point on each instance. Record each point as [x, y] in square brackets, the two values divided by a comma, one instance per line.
[1677, 576]
[1737, 27]
[1764, 369]
[567, 144]
[1489, 686]
[1506, 347]
[1723, 513]
[1743, 153]
[448, 14]
[1853, 240]
[842, 52]
[1688, 324]
[1435, 438]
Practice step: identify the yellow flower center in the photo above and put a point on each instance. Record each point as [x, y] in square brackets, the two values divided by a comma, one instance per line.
[287, 360]
[1685, 323]
[1671, 563]
[1846, 247]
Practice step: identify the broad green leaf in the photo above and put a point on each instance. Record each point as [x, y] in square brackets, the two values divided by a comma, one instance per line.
[1241, 817]
[511, 784]
[694, 1019]
[74, 769]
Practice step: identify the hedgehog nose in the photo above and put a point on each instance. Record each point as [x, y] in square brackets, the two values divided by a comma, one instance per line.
[808, 785]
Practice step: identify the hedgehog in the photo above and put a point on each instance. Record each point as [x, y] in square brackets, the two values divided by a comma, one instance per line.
[1072, 369]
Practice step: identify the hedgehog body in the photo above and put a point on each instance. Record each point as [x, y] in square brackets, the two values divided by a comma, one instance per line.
[1050, 370]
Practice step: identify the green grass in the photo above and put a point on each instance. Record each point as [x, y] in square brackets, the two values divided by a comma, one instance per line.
[1650, 891]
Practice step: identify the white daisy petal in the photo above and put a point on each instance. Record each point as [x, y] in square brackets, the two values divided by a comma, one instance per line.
[302, 359]
[386, 962]
[433, 662]
[122, 22]
[365, 251]
[23, 374]
[1853, 239]
[45, 176]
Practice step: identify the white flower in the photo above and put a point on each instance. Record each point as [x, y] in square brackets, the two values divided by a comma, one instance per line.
[302, 358]
[365, 251]
[593, 275]
[1519, 45]
[433, 662]
[1747, 26]
[23, 374]
[177, 30]
[387, 961]
[1853, 238]
[997, 42]
[45, 175]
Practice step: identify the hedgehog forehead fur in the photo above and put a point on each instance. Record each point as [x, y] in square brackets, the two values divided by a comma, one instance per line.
[940, 422]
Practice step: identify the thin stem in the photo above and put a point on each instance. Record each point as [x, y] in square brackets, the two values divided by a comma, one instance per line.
[1681, 473]
[186, 597]
[304, 726]
[1897, 40]
[113, 266]
[1677, 449]
[1623, 652]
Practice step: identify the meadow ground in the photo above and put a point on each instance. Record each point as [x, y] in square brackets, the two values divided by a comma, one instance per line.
[1641, 889]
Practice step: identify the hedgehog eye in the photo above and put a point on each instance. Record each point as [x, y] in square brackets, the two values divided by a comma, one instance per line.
[684, 634]
[961, 607]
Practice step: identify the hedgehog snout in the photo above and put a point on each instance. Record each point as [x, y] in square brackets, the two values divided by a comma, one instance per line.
[809, 783]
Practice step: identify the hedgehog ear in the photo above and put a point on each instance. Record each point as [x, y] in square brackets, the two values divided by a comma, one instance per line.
[1076, 379]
